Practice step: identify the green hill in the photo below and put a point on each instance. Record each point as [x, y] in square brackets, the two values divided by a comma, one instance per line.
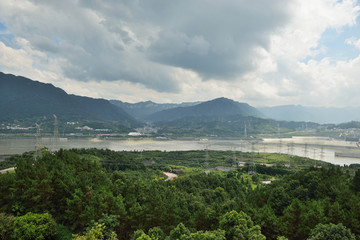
[220, 107]
[23, 98]
[142, 110]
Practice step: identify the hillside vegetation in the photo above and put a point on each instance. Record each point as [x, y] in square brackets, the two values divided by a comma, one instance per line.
[101, 194]
[22, 98]
[220, 107]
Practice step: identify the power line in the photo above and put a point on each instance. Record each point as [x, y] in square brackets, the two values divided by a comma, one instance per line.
[252, 166]
[38, 147]
[56, 133]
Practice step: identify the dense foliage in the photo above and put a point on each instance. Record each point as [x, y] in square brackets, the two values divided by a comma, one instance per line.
[219, 107]
[102, 194]
[229, 126]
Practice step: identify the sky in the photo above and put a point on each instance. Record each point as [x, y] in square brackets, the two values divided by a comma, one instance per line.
[265, 53]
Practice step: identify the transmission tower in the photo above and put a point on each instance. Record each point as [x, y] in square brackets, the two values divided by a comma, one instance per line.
[314, 156]
[252, 166]
[292, 148]
[253, 148]
[280, 145]
[322, 153]
[241, 150]
[234, 156]
[314, 153]
[305, 150]
[206, 164]
[278, 130]
[37, 154]
[56, 133]
[290, 151]
[56, 126]
[245, 131]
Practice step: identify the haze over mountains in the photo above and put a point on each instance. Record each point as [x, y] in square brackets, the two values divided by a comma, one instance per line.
[24, 98]
[312, 114]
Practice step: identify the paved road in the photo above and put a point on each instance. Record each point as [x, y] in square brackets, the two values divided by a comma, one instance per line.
[170, 176]
[7, 170]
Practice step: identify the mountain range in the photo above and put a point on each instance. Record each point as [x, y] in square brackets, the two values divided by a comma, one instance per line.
[312, 114]
[220, 107]
[142, 110]
[22, 98]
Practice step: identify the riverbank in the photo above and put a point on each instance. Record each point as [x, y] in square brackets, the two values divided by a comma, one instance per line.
[316, 148]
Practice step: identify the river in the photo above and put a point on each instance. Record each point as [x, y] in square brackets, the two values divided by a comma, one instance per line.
[313, 147]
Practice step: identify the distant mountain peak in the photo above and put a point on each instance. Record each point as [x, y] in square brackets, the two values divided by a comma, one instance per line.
[218, 107]
[313, 114]
[221, 99]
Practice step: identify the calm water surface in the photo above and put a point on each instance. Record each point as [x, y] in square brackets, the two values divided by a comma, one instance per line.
[312, 147]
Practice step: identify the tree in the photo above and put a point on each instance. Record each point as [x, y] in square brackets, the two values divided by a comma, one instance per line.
[331, 232]
[356, 181]
[109, 223]
[179, 231]
[34, 226]
[207, 235]
[279, 199]
[292, 218]
[6, 190]
[156, 233]
[96, 233]
[268, 221]
[145, 237]
[6, 226]
[300, 217]
[138, 233]
[240, 226]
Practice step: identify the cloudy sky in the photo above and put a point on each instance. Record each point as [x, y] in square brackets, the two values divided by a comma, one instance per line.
[262, 52]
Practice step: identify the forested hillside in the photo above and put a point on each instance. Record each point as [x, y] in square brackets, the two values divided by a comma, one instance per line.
[229, 126]
[142, 110]
[220, 108]
[101, 194]
[22, 98]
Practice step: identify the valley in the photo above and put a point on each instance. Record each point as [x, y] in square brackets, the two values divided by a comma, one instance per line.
[160, 171]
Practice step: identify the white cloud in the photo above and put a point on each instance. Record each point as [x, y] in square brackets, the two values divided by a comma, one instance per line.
[300, 38]
[144, 41]
[23, 60]
[313, 82]
[353, 41]
[262, 52]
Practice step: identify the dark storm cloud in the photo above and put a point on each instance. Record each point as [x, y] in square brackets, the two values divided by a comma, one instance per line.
[216, 39]
[146, 41]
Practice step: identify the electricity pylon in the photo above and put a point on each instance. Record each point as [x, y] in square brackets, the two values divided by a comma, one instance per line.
[252, 166]
[56, 133]
[37, 154]
[206, 164]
